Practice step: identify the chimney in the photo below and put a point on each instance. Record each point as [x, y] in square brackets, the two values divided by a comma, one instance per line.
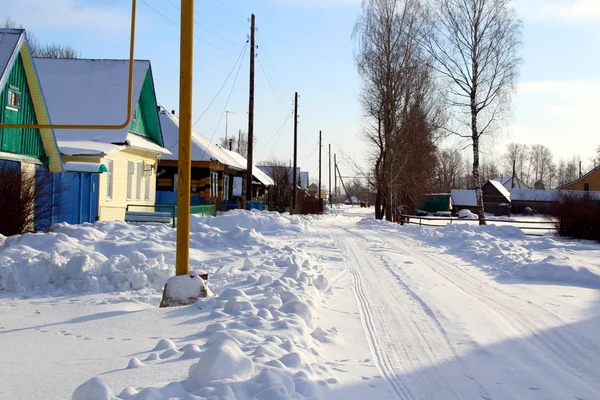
[173, 112]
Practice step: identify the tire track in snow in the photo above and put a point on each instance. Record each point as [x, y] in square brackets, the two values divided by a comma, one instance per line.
[383, 362]
[553, 345]
[424, 306]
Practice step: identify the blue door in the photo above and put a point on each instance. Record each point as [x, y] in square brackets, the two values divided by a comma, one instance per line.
[78, 197]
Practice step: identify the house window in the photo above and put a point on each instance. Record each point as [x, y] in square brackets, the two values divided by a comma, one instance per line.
[214, 184]
[586, 187]
[147, 183]
[14, 98]
[138, 183]
[109, 185]
[226, 188]
[130, 172]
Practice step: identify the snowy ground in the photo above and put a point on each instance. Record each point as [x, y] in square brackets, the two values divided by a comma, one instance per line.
[331, 307]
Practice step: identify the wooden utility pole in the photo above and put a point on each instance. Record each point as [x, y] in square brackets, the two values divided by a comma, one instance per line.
[295, 179]
[239, 139]
[335, 178]
[320, 146]
[514, 174]
[341, 180]
[250, 154]
[329, 173]
[184, 166]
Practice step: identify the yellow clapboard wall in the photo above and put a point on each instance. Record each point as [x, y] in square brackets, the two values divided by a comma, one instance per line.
[114, 208]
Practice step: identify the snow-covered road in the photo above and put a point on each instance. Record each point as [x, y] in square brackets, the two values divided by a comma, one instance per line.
[440, 328]
[338, 307]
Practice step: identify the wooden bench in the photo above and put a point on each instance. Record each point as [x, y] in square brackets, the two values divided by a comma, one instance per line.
[148, 217]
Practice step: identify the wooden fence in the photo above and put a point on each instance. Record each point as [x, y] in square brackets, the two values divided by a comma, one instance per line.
[525, 225]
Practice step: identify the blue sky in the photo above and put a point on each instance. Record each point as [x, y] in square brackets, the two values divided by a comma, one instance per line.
[307, 46]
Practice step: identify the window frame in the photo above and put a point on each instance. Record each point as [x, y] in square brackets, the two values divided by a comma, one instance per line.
[138, 181]
[130, 173]
[16, 92]
[110, 181]
[214, 184]
[226, 187]
[147, 183]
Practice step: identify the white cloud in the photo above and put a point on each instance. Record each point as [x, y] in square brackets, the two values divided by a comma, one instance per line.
[562, 115]
[41, 14]
[559, 10]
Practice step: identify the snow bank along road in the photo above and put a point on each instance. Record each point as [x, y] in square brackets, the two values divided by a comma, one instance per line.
[439, 327]
[329, 307]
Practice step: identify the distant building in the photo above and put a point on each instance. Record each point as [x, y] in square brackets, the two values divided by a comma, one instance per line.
[302, 176]
[507, 182]
[590, 182]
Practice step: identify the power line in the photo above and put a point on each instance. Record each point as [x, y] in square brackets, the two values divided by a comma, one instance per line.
[226, 103]
[204, 27]
[278, 132]
[224, 12]
[271, 65]
[243, 52]
[281, 102]
[177, 25]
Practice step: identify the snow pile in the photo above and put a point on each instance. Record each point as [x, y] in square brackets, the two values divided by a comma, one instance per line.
[506, 252]
[116, 257]
[260, 341]
[259, 220]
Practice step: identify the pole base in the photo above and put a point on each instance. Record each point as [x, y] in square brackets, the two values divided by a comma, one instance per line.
[185, 290]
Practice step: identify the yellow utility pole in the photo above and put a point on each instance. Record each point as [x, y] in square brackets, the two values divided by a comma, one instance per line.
[185, 137]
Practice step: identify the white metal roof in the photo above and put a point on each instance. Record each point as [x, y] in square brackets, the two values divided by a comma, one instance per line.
[256, 172]
[467, 198]
[10, 43]
[501, 189]
[90, 92]
[203, 149]
[87, 148]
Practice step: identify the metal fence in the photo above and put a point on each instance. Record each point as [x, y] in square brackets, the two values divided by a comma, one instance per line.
[210, 210]
[529, 227]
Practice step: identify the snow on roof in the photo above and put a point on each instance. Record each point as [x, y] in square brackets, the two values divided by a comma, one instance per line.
[84, 167]
[502, 179]
[549, 195]
[466, 198]
[501, 189]
[203, 149]
[534, 195]
[90, 92]
[87, 148]
[143, 143]
[256, 172]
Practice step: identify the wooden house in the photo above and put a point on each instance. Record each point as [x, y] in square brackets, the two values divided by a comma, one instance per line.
[496, 199]
[94, 92]
[589, 182]
[30, 153]
[218, 174]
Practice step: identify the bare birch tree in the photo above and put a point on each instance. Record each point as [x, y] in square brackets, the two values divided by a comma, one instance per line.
[475, 45]
[396, 98]
[37, 49]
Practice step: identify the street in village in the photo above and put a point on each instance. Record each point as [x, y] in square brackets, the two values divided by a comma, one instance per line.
[338, 306]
